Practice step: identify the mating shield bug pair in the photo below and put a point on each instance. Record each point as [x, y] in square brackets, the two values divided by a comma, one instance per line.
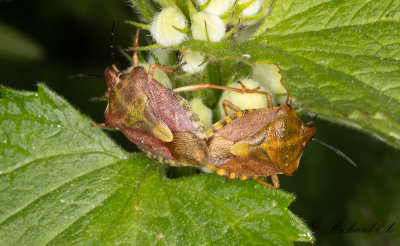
[159, 121]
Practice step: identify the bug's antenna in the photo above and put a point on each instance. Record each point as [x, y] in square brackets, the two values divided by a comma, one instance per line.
[311, 123]
[98, 99]
[336, 150]
[85, 75]
[112, 42]
[315, 118]
[89, 75]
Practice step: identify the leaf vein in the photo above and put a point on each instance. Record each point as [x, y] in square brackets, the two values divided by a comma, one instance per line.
[359, 10]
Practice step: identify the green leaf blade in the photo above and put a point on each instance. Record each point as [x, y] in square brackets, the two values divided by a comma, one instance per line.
[42, 150]
[178, 215]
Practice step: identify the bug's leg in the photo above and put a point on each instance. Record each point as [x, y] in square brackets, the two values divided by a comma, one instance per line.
[98, 125]
[275, 182]
[256, 90]
[227, 180]
[205, 86]
[226, 103]
[152, 67]
[265, 183]
[135, 57]
[288, 100]
[115, 69]
[242, 91]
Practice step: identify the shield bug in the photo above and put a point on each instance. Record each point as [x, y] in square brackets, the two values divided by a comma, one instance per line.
[258, 143]
[159, 121]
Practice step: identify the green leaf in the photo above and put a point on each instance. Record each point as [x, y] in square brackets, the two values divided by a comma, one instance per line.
[166, 3]
[63, 182]
[339, 58]
[146, 8]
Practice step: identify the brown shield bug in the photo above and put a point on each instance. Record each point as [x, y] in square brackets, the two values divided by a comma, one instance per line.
[159, 121]
[257, 143]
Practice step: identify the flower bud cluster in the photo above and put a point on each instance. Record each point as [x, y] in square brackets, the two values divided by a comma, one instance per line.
[208, 21]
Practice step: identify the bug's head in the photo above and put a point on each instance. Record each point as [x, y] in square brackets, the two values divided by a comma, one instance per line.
[293, 124]
[112, 77]
[308, 129]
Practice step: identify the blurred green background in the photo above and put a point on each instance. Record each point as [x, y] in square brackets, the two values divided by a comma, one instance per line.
[48, 40]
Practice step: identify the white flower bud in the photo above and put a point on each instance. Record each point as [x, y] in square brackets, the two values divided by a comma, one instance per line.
[200, 2]
[269, 77]
[253, 9]
[243, 101]
[216, 7]
[215, 27]
[195, 62]
[163, 27]
[204, 113]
